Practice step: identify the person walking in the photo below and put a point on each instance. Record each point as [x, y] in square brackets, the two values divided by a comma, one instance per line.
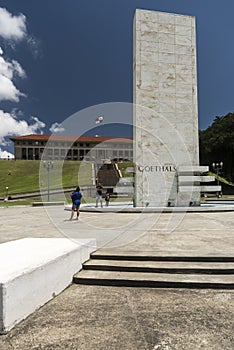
[99, 194]
[76, 200]
[107, 198]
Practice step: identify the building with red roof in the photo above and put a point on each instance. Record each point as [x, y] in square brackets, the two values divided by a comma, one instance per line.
[61, 147]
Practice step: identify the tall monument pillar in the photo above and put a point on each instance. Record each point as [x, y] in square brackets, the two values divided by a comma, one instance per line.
[166, 149]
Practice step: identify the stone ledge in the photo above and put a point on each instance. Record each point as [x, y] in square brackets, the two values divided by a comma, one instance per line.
[34, 270]
[192, 169]
[41, 204]
[194, 178]
[193, 209]
[215, 188]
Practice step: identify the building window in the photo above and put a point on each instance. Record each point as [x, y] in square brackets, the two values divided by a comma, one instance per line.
[81, 154]
[56, 153]
[69, 154]
[24, 153]
[30, 153]
[50, 153]
[63, 152]
[75, 154]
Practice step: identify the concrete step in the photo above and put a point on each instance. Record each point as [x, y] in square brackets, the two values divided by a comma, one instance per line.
[158, 256]
[171, 267]
[154, 280]
[116, 267]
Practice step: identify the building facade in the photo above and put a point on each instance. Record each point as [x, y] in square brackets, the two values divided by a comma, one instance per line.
[60, 147]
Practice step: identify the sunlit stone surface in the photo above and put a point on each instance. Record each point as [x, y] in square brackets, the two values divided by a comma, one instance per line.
[165, 115]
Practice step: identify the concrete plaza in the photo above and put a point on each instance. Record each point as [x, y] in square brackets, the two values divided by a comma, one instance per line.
[97, 317]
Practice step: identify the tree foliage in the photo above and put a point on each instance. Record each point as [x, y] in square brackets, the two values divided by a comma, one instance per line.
[217, 144]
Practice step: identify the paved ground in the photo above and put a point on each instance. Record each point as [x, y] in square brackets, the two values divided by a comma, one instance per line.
[95, 317]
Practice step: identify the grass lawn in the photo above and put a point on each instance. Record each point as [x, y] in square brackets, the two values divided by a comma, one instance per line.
[123, 166]
[25, 176]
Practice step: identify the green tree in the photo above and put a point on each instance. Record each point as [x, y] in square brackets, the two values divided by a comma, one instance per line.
[217, 144]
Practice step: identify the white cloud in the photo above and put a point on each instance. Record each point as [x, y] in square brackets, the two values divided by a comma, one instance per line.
[11, 126]
[17, 69]
[38, 124]
[12, 27]
[8, 91]
[56, 128]
[16, 112]
[6, 154]
[9, 70]
[35, 46]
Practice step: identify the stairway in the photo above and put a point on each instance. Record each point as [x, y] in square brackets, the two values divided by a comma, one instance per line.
[111, 269]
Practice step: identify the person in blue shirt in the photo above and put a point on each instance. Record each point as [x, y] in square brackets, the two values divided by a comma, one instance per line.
[76, 200]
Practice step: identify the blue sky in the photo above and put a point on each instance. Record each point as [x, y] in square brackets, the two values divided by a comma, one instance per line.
[60, 56]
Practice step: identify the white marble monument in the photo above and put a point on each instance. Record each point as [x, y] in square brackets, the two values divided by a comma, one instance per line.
[166, 149]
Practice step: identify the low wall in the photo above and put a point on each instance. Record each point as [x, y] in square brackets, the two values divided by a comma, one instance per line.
[34, 270]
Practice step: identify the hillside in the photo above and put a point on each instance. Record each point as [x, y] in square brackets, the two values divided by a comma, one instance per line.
[25, 176]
